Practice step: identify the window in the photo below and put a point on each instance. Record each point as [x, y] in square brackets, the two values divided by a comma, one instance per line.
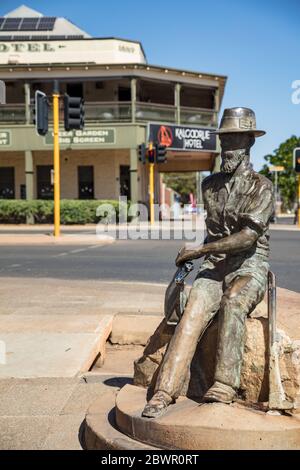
[124, 93]
[86, 182]
[22, 191]
[44, 186]
[7, 182]
[197, 97]
[125, 181]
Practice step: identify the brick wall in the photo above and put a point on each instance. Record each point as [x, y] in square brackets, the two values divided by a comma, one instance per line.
[106, 169]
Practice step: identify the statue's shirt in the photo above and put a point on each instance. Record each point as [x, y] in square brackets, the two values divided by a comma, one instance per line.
[234, 202]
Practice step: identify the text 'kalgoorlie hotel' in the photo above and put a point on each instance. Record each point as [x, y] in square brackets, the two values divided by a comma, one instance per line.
[127, 102]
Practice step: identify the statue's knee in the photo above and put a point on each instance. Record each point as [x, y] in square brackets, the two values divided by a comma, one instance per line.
[231, 302]
[238, 288]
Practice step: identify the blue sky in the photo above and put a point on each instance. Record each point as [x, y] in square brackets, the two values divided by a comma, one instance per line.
[255, 43]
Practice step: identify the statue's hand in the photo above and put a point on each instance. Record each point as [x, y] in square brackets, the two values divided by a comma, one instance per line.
[184, 255]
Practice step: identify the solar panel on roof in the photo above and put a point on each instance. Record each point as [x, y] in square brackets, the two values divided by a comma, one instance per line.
[6, 38]
[19, 37]
[11, 24]
[29, 24]
[39, 37]
[46, 23]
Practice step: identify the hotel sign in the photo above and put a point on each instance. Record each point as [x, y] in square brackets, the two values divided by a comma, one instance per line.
[65, 51]
[5, 139]
[182, 138]
[26, 47]
[84, 137]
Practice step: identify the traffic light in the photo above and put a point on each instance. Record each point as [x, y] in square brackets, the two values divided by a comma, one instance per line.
[154, 153]
[297, 159]
[41, 110]
[151, 153]
[73, 113]
[160, 153]
[142, 153]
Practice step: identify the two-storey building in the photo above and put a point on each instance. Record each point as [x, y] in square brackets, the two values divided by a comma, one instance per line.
[127, 102]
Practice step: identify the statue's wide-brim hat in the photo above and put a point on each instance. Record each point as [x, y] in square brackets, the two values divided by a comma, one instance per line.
[239, 120]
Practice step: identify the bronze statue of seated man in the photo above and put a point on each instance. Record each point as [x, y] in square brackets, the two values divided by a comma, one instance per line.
[233, 277]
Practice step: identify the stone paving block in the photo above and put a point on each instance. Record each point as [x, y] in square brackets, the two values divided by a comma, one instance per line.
[119, 359]
[133, 329]
[50, 354]
[52, 323]
[24, 433]
[81, 397]
[30, 398]
[65, 433]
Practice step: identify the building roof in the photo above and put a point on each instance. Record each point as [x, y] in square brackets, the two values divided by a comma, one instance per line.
[26, 22]
[23, 12]
[73, 50]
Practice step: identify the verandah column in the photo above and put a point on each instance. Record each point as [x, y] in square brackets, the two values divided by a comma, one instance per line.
[177, 101]
[29, 173]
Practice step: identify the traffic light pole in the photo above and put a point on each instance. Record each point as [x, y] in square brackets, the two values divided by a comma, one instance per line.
[56, 163]
[155, 153]
[151, 191]
[298, 200]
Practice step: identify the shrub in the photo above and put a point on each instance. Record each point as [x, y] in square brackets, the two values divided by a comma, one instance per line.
[15, 211]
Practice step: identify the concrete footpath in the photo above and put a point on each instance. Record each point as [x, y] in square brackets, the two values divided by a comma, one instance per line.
[58, 359]
[11, 234]
[66, 239]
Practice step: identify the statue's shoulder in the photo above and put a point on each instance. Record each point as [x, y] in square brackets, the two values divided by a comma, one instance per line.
[212, 180]
[262, 181]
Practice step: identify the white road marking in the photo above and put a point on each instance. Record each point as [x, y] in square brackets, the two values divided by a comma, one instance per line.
[78, 250]
[60, 254]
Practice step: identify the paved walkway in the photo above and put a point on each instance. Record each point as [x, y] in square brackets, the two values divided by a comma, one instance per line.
[44, 413]
[33, 238]
[51, 330]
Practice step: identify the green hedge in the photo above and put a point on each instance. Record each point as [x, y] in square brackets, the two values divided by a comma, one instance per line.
[15, 211]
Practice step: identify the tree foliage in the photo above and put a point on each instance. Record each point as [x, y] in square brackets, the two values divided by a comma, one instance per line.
[182, 183]
[287, 179]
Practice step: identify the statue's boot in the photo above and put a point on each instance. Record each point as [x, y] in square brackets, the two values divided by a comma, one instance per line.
[220, 393]
[158, 405]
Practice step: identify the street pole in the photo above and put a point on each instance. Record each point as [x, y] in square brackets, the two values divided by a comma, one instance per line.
[56, 163]
[276, 185]
[151, 192]
[299, 200]
[199, 188]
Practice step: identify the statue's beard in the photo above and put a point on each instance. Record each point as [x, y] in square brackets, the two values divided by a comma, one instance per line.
[231, 159]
